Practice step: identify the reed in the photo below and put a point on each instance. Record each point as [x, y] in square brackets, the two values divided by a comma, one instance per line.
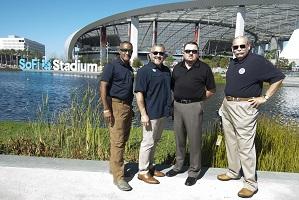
[79, 132]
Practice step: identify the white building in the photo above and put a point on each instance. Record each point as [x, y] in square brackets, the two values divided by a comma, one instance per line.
[20, 43]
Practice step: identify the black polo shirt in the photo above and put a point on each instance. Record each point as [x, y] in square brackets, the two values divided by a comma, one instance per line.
[245, 78]
[192, 84]
[154, 82]
[120, 80]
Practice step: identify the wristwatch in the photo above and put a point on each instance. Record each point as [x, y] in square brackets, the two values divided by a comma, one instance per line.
[266, 97]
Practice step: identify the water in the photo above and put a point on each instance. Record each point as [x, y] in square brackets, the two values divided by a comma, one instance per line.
[21, 94]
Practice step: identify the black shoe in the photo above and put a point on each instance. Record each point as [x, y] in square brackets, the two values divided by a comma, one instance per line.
[172, 173]
[190, 181]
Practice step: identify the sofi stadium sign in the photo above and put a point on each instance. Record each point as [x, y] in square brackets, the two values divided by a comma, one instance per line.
[57, 65]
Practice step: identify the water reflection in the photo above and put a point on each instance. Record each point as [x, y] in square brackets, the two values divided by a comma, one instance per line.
[21, 94]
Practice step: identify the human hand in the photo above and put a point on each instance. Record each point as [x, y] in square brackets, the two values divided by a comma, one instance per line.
[256, 102]
[108, 117]
[145, 120]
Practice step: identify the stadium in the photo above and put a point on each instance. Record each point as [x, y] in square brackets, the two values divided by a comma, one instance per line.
[211, 23]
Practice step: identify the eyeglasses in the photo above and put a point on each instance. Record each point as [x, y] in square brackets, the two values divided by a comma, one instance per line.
[158, 52]
[189, 51]
[126, 50]
[242, 46]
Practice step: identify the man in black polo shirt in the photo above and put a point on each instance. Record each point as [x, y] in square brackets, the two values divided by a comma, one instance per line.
[116, 91]
[153, 96]
[193, 82]
[239, 111]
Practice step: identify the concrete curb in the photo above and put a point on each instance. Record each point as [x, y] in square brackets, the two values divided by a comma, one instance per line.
[36, 178]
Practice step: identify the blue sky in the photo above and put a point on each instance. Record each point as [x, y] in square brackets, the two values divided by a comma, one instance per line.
[50, 22]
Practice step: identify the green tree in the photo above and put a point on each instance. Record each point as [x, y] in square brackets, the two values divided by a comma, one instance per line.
[169, 61]
[283, 63]
[137, 63]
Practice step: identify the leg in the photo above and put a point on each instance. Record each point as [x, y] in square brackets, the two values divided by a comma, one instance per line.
[180, 136]
[119, 134]
[193, 118]
[246, 131]
[234, 163]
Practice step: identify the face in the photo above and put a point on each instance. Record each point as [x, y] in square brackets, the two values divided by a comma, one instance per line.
[190, 53]
[240, 48]
[125, 52]
[157, 55]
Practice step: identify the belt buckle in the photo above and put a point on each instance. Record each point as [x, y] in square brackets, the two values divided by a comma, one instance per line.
[184, 101]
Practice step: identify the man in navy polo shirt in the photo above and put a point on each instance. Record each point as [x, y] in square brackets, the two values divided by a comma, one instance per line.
[193, 83]
[153, 96]
[116, 90]
[239, 111]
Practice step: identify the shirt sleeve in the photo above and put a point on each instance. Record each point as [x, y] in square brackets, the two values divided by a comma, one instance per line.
[270, 73]
[210, 81]
[107, 73]
[141, 81]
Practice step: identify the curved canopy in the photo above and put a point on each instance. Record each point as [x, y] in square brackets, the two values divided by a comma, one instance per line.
[264, 19]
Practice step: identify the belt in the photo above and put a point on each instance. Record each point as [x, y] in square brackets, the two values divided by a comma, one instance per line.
[230, 98]
[186, 101]
[120, 101]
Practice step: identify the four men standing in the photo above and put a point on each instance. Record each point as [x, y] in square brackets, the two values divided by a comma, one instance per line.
[192, 82]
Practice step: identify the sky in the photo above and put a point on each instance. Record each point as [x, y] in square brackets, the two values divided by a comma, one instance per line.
[50, 22]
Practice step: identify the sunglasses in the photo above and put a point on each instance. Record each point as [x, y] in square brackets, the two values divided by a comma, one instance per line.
[126, 50]
[157, 52]
[242, 46]
[189, 51]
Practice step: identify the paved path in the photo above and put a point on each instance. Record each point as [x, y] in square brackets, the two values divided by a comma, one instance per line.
[32, 178]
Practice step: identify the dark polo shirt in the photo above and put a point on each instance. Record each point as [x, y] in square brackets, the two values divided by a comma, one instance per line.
[192, 84]
[245, 78]
[120, 78]
[154, 82]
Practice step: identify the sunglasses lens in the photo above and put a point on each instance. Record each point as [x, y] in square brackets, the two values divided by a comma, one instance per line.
[126, 50]
[242, 46]
[156, 53]
[189, 51]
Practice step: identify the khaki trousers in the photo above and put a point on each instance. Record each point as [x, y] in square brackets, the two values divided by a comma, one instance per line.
[151, 136]
[239, 121]
[119, 135]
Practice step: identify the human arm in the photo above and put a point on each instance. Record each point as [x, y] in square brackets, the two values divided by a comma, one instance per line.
[256, 102]
[105, 101]
[210, 93]
[141, 107]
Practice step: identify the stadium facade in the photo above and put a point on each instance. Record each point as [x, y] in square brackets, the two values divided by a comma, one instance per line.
[211, 23]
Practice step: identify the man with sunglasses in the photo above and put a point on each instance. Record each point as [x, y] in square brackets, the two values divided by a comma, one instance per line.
[153, 96]
[239, 111]
[116, 90]
[192, 83]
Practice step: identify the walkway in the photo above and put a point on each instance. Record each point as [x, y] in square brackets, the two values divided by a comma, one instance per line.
[32, 178]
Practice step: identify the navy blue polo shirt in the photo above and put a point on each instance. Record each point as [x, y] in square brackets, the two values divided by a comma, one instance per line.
[245, 78]
[154, 83]
[120, 80]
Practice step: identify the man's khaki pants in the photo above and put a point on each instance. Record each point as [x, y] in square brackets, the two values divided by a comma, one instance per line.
[239, 121]
[119, 135]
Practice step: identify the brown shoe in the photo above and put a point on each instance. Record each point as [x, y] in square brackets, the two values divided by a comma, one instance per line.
[224, 177]
[156, 173]
[246, 193]
[148, 178]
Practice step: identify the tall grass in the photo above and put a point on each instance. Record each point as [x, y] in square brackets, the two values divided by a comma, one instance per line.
[79, 132]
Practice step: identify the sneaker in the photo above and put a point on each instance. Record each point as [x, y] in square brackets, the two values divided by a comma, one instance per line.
[123, 185]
